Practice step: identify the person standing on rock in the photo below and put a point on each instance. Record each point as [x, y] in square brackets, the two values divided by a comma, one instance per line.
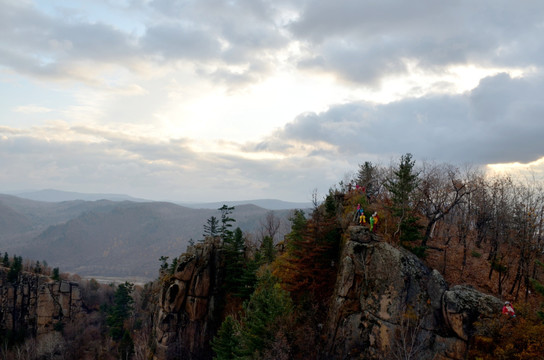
[357, 213]
[373, 221]
[362, 218]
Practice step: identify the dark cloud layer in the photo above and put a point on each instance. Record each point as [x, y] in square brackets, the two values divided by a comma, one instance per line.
[36, 43]
[360, 41]
[500, 121]
[363, 41]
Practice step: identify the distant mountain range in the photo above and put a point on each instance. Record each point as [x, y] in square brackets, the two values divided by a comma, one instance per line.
[51, 195]
[269, 204]
[106, 238]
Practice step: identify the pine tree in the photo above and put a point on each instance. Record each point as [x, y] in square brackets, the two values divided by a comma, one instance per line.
[402, 186]
[234, 248]
[305, 268]
[226, 220]
[263, 313]
[248, 278]
[56, 274]
[5, 261]
[226, 344]
[126, 346]
[164, 262]
[267, 249]
[367, 178]
[121, 310]
[15, 268]
[211, 229]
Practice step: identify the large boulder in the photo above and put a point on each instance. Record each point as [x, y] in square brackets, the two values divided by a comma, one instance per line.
[462, 305]
[387, 303]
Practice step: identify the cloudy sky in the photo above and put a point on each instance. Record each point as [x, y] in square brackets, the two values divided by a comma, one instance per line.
[210, 100]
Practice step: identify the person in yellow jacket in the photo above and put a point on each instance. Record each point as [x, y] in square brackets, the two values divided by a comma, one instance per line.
[373, 221]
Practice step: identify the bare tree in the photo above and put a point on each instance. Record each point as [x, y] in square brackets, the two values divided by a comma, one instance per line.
[441, 189]
[501, 196]
[269, 226]
[527, 220]
[410, 339]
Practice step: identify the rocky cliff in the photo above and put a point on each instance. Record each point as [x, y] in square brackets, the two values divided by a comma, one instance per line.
[189, 304]
[388, 304]
[35, 305]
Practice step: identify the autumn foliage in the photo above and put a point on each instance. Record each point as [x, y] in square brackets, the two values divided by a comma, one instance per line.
[507, 337]
[307, 267]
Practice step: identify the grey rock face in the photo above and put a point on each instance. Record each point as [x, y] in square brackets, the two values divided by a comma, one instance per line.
[34, 304]
[386, 304]
[386, 299]
[462, 305]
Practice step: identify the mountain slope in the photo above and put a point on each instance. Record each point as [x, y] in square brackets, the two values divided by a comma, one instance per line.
[118, 239]
[12, 222]
[42, 214]
[270, 204]
[51, 195]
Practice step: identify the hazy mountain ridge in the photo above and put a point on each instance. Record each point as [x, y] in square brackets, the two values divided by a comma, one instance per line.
[270, 204]
[52, 195]
[107, 238]
[12, 222]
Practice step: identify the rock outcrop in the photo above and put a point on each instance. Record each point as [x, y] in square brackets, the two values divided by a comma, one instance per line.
[35, 305]
[189, 305]
[387, 302]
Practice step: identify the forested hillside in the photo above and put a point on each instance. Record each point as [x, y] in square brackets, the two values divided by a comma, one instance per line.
[410, 261]
[107, 238]
[476, 230]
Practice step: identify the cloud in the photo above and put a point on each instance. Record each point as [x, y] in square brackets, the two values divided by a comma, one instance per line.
[362, 42]
[174, 42]
[69, 44]
[312, 151]
[365, 41]
[31, 109]
[44, 45]
[498, 122]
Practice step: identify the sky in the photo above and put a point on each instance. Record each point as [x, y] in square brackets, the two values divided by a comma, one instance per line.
[210, 100]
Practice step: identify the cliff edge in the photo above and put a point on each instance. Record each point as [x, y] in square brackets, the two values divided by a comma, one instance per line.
[388, 304]
[35, 305]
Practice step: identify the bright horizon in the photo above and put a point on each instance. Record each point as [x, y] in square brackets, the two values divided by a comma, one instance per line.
[209, 101]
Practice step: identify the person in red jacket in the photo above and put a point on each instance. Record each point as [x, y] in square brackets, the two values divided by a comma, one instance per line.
[508, 309]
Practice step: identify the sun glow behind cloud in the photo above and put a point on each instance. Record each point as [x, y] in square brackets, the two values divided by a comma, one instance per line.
[533, 169]
[249, 113]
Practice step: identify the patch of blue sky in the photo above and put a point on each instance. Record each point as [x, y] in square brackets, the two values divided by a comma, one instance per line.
[32, 101]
